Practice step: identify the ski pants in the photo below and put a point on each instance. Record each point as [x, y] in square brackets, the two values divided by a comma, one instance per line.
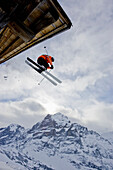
[43, 62]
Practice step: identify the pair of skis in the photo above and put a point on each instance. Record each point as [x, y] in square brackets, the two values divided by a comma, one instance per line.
[42, 71]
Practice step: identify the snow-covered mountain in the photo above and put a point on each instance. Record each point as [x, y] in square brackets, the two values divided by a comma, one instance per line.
[54, 144]
[109, 136]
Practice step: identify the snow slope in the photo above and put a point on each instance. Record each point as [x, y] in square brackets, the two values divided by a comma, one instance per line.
[109, 136]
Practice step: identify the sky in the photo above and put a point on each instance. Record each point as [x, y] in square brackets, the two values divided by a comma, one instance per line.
[83, 61]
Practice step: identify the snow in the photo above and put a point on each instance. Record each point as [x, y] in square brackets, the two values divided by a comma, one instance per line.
[7, 164]
[108, 136]
[4, 166]
[54, 162]
[2, 129]
[60, 119]
[13, 127]
[4, 137]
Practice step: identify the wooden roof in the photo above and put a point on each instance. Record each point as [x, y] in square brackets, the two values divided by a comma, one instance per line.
[27, 23]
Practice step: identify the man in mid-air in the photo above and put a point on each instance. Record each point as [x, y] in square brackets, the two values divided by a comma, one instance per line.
[46, 61]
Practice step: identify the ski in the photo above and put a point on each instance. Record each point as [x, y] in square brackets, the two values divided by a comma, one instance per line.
[54, 83]
[55, 78]
[36, 64]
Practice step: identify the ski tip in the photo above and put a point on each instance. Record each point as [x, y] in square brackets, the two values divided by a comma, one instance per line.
[28, 58]
[26, 61]
[55, 84]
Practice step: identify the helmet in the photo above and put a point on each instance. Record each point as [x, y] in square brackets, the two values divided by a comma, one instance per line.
[52, 59]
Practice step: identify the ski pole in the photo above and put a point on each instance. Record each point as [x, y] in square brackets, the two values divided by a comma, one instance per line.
[42, 80]
[47, 54]
[46, 50]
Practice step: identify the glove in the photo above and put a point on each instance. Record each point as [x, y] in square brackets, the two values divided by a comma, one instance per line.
[51, 67]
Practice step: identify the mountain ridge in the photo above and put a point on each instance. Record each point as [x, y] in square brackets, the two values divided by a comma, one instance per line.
[55, 143]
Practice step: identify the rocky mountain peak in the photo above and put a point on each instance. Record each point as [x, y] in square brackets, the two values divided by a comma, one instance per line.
[48, 122]
[12, 132]
[57, 120]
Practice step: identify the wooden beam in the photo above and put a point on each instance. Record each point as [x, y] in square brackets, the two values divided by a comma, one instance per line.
[21, 30]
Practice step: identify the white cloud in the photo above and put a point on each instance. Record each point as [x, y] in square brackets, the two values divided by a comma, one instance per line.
[99, 114]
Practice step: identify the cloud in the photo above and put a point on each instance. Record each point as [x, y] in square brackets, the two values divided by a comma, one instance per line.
[21, 111]
[99, 114]
[83, 61]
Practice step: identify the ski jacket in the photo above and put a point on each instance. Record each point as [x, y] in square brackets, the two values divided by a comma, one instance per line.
[47, 58]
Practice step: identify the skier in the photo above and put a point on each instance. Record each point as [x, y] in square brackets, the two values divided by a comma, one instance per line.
[46, 61]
